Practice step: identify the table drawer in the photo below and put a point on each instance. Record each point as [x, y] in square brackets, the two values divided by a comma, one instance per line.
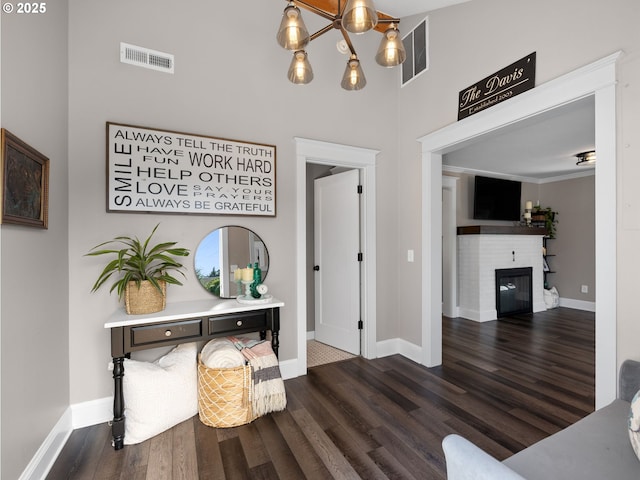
[238, 322]
[146, 335]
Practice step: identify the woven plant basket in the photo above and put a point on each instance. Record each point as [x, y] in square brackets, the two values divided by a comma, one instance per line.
[224, 396]
[146, 299]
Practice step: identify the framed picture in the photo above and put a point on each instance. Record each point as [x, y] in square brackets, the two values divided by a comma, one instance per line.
[24, 183]
[163, 171]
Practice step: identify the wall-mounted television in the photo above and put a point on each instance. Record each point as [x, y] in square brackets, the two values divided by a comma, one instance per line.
[496, 199]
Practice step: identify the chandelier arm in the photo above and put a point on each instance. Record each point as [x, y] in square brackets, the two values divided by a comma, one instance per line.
[321, 32]
[348, 40]
[387, 20]
[316, 10]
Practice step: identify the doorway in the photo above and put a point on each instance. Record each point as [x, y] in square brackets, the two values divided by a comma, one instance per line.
[597, 79]
[317, 152]
[336, 265]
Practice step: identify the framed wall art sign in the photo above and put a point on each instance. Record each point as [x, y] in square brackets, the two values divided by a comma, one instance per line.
[25, 183]
[513, 80]
[151, 170]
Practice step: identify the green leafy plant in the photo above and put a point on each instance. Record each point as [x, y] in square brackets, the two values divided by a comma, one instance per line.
[550, 219]
[137, 261]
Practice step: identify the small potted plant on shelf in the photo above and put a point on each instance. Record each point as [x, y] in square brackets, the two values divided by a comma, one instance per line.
[547, 216]
[142, 271]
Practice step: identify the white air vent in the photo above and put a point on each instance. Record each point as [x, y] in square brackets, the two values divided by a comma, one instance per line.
[145, 57]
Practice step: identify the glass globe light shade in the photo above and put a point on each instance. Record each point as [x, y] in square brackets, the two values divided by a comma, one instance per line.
[359, 16]
[391, 51]
[300, 71]
[353, 78]
[293, 33]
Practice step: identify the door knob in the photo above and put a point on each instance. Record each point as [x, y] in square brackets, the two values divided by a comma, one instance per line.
[316, 268]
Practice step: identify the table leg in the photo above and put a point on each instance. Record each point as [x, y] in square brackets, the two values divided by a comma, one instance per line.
[275, 342]
[117, 425]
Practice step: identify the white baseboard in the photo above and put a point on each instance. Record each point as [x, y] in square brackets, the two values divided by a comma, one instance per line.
[92, 412]
[311, 335]
[399, 346]
[578, 304]
[45, 457]
[289, 368]
[478, 315]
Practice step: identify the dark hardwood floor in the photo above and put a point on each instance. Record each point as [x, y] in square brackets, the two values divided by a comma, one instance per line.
[504, 385]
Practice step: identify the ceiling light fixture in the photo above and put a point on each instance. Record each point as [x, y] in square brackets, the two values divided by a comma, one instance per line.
[357, 16]
[586, 159]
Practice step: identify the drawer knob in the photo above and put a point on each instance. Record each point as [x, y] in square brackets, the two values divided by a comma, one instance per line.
[239, 323]
[167, 333]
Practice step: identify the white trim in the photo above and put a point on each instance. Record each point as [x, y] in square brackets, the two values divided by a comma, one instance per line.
[538, 181]
[46, 455]
[289, 368]
[597, 78]
[450, 249]
[399, 346]
[578, 304]
[314, 151]
[92, 412]
[311, 335]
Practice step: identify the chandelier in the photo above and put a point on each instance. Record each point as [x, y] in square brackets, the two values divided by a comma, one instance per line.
[357, 16]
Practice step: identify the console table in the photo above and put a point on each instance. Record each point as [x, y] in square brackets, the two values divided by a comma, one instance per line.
[183, 322]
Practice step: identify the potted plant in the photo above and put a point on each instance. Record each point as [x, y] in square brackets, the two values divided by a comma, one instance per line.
[142, 271]
[548, 216]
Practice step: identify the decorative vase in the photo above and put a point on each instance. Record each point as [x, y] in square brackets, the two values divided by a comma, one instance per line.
[146, 298]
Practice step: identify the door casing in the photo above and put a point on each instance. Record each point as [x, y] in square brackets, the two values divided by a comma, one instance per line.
[364, 159]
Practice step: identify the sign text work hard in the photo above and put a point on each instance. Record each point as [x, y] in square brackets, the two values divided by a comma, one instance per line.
[150, 170]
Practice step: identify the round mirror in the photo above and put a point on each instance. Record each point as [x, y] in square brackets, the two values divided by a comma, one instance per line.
[223, 251]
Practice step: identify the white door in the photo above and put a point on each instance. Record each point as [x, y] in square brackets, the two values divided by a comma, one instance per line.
[337, 275]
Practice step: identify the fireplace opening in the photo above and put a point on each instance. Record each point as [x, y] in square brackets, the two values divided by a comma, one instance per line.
[513, 291]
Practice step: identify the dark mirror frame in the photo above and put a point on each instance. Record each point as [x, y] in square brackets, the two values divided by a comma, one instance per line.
[223, 250]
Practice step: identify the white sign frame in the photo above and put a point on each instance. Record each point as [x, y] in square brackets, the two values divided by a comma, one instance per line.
[160, 171]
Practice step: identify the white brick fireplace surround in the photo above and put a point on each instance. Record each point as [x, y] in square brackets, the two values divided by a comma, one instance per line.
[482, 250]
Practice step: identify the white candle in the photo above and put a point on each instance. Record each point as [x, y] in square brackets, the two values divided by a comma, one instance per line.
[528, 205]
[237, 274]
[527, 214]
[247, 274]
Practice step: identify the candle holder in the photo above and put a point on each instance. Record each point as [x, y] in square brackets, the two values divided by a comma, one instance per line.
[247, 288]
[239, 287]
[527, 216]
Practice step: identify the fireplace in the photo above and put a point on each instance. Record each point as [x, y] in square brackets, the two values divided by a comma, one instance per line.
[482, 250]
[513, 291]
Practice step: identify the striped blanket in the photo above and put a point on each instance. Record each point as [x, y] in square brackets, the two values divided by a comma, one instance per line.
[268, 388]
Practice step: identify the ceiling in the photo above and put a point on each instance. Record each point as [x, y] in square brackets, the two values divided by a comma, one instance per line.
[540, 149]
[405, 8]
[387, 9]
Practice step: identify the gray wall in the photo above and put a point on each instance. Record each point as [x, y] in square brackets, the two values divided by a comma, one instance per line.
[230, 82]
[35, 280]
[473, 39]
[575, 242]
[574, 245]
